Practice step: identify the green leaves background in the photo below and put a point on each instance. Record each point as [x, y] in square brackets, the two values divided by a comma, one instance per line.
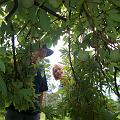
[94, 52]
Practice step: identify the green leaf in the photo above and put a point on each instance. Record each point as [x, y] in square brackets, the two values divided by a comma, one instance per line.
[110, 68]
[114, 32]
[111, 31]
[40, 1]
[2, 103]
[116, 2]
[1, 12]
[83, 56]
[44, 20]
[27, 3]
[2, 51]
[32, 14]
[111, 22]
[2, 66]
[18, 84]
[104, 54]
[26, 93]
[115, 55]
[48, 40]
[34, 47]
[55, 3]
[114, 15]
[116, 115]
[96, 1]
[3, 87]
[3, 27]
[9, 6]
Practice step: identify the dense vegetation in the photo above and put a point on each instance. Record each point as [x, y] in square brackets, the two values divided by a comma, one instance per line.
[91, 29]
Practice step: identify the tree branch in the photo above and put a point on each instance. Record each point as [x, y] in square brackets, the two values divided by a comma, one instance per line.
[115, 82]
[14, 56]
[50, 11]
[13, 52]
[103, 72]
[69, 47]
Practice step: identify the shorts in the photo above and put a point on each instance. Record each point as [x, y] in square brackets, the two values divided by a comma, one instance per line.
[15, 115]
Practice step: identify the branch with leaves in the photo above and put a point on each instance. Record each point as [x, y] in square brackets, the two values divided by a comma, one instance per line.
[69, 45]
[9, 21]
[12, 11]
[69, 53]
[50, 11]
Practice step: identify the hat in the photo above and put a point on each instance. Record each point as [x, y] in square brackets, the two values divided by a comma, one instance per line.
[49, 51]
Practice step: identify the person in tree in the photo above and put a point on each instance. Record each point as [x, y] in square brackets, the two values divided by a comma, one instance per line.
[41, 86]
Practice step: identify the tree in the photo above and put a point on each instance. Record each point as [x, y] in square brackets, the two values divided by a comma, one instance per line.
[92, 24]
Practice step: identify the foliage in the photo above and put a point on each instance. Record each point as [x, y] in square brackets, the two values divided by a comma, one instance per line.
[92, 63]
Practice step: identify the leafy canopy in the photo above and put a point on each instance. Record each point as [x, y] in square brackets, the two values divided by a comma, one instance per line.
[91, 28]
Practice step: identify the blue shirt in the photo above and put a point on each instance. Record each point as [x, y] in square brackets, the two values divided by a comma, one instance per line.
[40, 81]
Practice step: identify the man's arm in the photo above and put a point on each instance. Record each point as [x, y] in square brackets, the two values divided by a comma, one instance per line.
[40, 98]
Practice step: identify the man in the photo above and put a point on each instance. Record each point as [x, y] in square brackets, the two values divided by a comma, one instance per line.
[40, 83]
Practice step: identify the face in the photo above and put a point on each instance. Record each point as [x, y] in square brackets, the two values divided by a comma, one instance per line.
[57, 72]
[40, 53]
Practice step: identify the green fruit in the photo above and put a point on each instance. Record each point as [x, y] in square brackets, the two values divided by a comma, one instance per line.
[115, 55]
[27, 3]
